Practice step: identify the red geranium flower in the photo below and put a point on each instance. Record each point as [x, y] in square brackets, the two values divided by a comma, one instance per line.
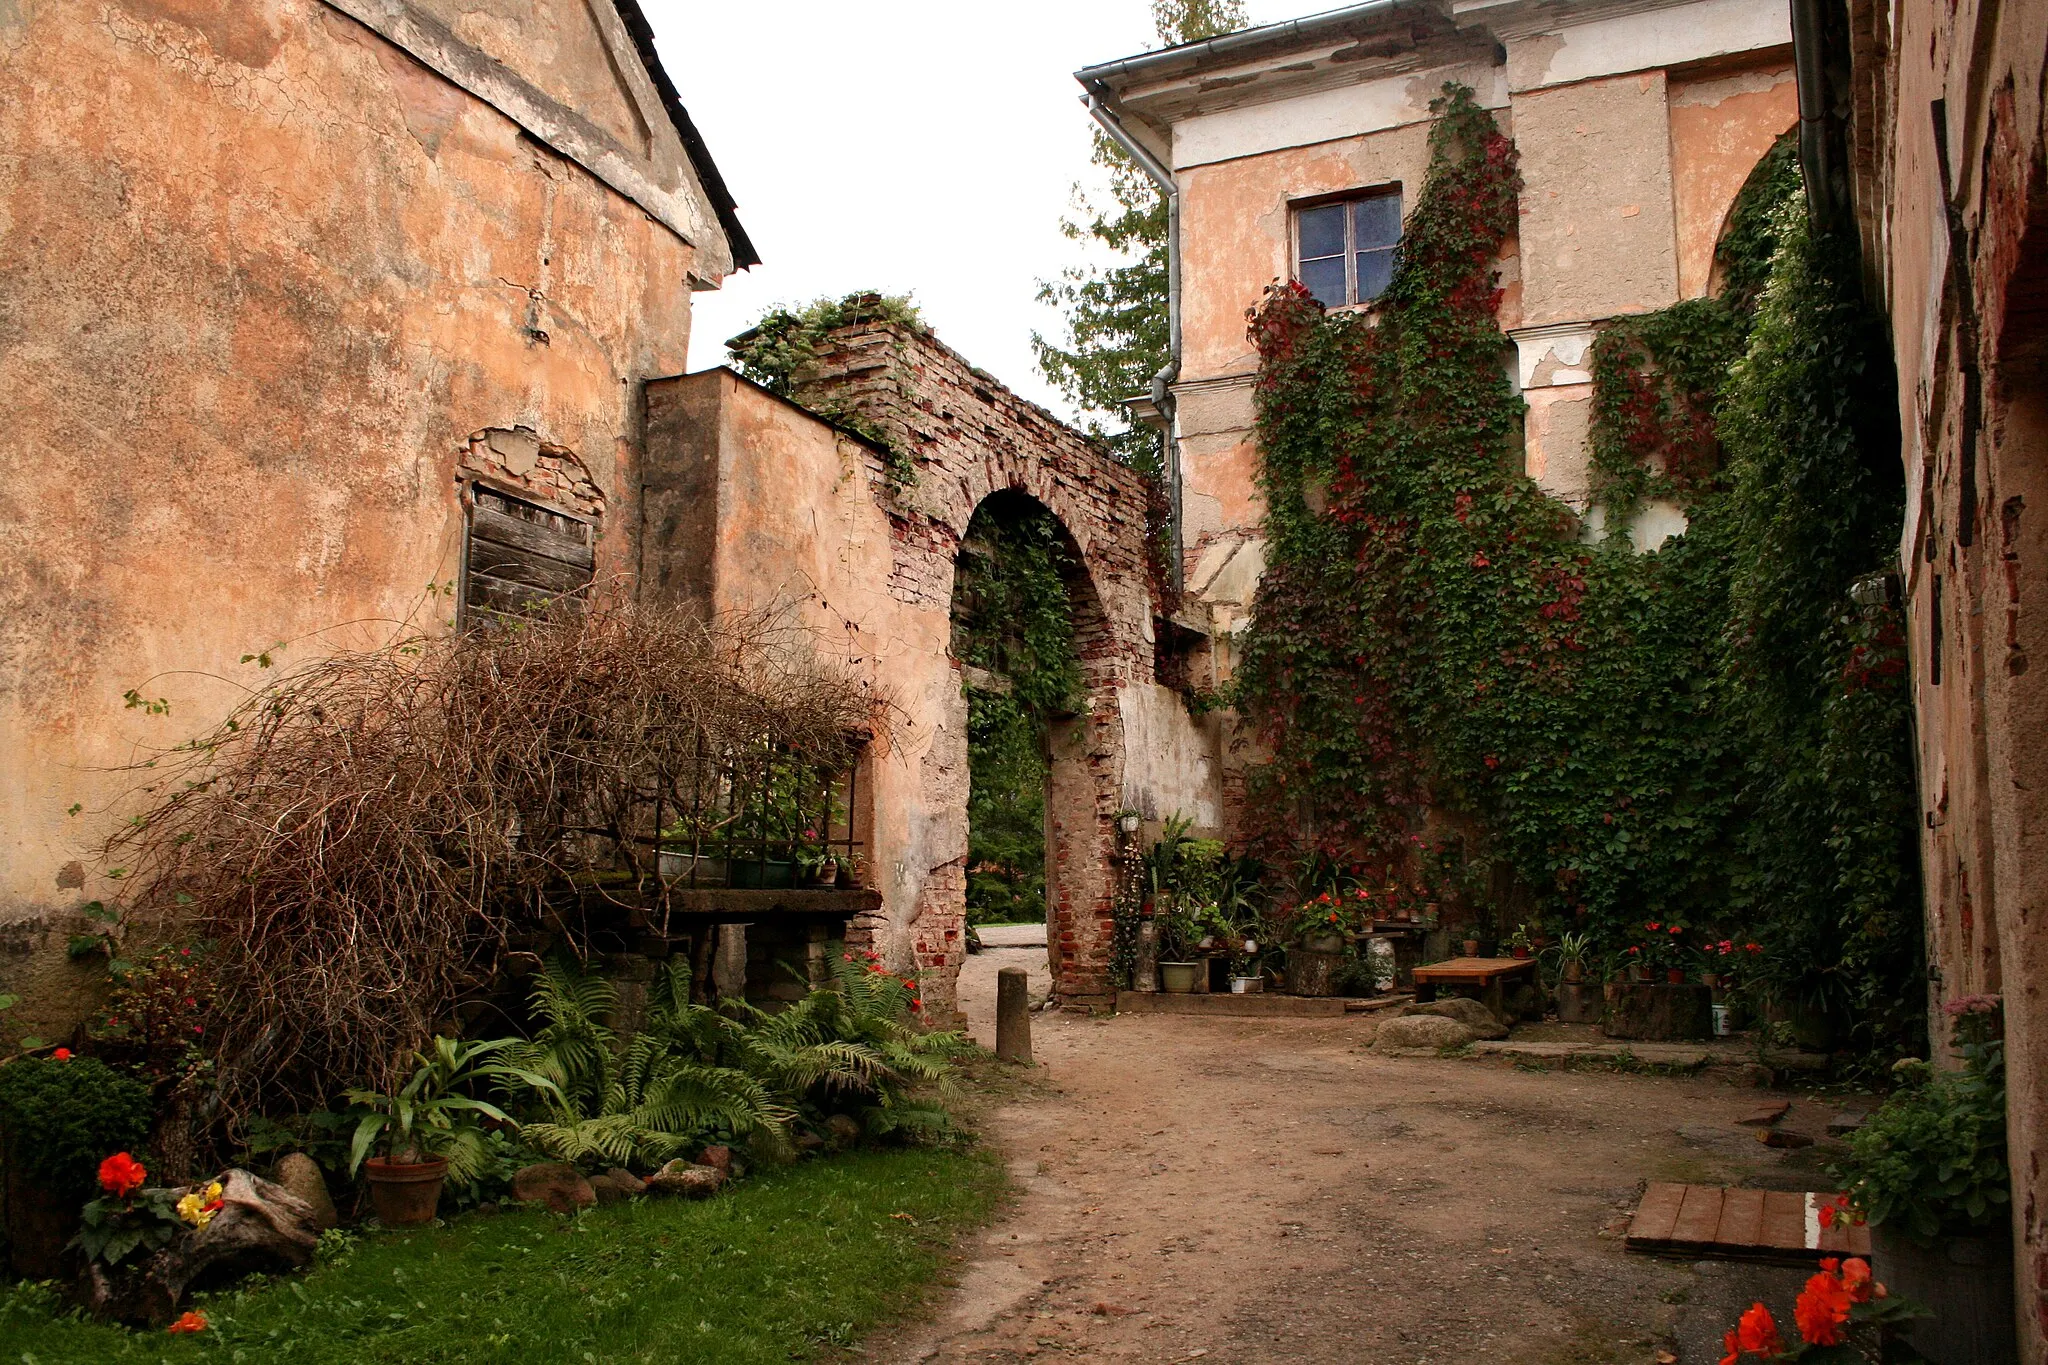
[122, 1175]
[62, 1054]
[1822, 1308]
[191, 1322]
[1758, 1332]
[1857, 1279]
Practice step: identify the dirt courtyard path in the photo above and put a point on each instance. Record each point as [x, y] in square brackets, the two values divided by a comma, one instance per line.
[1272, 1190]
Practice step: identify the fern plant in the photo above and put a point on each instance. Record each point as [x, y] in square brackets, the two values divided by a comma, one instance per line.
[694, 1074]
[852, 1045]
[650, 1098]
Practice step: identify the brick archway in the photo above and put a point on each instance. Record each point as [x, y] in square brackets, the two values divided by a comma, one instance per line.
[960, 437]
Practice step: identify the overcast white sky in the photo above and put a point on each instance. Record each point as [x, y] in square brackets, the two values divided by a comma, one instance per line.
[913, 146]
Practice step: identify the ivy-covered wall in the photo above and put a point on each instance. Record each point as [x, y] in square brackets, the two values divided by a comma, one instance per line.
[1464, 687]
[1013, 629]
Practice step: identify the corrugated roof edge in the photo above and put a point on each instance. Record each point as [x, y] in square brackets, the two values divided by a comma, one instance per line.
[743, 252]
[1243, 43]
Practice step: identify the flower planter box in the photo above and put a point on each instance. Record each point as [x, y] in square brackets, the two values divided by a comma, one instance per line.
[1579, 1002]
[1659, 1013]
[1312, 972]
[762, 875]
[1967, 1281]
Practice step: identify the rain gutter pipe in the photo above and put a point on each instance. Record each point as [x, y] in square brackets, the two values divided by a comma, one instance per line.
[1162, 391]
[1101, 101]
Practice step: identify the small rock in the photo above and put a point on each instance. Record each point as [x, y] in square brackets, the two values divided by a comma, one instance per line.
[617, 1185]
[680, 1177]
[809, 1142]
[842, 1130]
[300, 1174]
[1766, 1115]
[1473, 1015]
[1782, 1137]
[720, 1156]
[1431, 1031]
[1846, 1122]
[555, 1183]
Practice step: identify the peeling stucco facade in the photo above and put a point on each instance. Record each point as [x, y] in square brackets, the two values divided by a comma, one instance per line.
[1949, 152]
[753, 502]
[1637, 125]
[272, 285]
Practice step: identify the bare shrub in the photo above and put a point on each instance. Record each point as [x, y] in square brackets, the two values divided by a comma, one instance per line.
[358, 839]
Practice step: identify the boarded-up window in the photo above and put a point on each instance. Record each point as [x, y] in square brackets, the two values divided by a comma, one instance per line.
[521, 556]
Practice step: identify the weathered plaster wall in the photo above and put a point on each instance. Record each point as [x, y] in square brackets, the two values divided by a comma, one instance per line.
[1975, 549]
[1722, 123]
[1596, 224]
[262, 276]
[806, 516]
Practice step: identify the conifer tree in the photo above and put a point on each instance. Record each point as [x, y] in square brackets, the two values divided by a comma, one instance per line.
[1116, 308]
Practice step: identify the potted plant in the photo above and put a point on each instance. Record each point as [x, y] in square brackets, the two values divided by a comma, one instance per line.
[1518, 942]
[1471, 946]
[1928, 1171]
[1577, 1003]
[1178, 930]
[423, 1120]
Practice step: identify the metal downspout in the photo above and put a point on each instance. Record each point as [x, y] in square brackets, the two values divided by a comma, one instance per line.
[1162, 390]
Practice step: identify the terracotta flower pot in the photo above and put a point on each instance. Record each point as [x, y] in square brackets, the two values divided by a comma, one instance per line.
[1471, 947]
[1574, 971]
[405, 1193]
[1521, 954]
[1675, 975]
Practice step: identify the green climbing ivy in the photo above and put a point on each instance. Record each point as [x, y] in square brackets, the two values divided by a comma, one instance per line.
[781, 350]
[1013, 626]
[1452, 671]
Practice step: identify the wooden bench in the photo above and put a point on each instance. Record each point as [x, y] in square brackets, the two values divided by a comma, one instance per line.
[1486, 975]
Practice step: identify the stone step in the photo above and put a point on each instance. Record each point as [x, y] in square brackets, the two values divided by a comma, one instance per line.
[1222, 1003]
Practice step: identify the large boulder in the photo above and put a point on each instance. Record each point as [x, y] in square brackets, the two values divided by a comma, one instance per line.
[260, 1228]
[300, 1174]
[1425, 1031]
[685, 1179]
[1466, 1011]
[555, 1183]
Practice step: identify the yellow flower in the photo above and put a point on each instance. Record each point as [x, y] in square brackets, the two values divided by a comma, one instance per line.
[199, 1207]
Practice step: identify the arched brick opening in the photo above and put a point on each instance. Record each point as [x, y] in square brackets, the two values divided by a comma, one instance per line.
[966, 437]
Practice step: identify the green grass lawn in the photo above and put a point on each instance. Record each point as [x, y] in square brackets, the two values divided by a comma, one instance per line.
[786, 1263]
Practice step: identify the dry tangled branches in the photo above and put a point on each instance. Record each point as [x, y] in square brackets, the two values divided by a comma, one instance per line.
[357, 839]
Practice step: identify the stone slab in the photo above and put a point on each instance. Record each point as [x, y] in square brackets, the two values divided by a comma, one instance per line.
[1253, 1006]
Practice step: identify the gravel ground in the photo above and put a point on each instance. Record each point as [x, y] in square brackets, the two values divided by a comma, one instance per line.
[1272, 1190]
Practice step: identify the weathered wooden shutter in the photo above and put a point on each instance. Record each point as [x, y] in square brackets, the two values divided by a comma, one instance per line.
[522, 556]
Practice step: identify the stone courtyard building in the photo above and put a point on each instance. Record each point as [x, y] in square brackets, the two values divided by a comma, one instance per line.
[1938, 143]
[324, 320]
[1293, 150]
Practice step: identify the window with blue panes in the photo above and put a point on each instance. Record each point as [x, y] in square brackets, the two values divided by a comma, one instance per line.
[1344, 251]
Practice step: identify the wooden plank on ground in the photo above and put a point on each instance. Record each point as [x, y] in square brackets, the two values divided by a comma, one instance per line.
[1656, 1215]
[1700, 1215]
[1784, 1221]
[1742, 1220]
[1712, 1222]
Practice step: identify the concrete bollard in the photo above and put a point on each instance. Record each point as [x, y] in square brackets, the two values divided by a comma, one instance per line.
[1013, 1015]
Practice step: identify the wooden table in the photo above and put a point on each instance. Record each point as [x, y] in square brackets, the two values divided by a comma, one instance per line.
[1489, 975]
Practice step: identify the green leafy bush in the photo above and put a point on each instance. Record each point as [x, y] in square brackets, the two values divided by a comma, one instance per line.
[695, 1075]
[60, 1119]
[1932, 1160]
